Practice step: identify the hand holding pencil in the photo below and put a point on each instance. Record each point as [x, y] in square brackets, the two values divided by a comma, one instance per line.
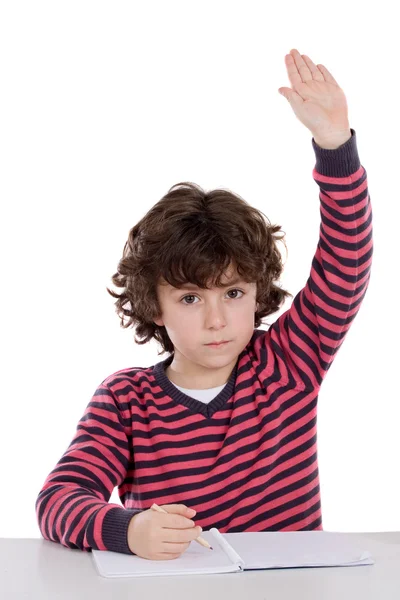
[163, 533]
[199, 539]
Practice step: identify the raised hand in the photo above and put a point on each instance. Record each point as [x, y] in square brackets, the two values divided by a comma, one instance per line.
[316, 98]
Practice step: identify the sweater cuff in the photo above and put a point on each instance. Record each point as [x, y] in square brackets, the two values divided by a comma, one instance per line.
[115, 529]
[340, 162]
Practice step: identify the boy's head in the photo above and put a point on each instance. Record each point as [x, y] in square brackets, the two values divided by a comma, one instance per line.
[202, 241]
[195, 317]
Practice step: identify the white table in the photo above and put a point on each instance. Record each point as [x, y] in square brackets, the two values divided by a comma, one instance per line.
[37, 569]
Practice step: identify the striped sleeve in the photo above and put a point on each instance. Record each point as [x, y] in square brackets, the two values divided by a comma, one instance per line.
[72, 507]
[305, 339]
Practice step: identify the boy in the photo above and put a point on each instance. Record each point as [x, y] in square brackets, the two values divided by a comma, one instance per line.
[225, 432]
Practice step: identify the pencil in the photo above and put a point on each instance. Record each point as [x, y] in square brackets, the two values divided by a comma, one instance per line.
[199, 539]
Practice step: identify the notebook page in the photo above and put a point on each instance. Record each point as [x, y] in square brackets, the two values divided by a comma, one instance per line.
[195, 560]
[264, 550]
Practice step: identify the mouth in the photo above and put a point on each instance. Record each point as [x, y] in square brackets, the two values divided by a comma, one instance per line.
[217, 345]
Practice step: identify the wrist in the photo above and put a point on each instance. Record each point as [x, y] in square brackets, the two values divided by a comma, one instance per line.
[333, 140]
[131, 534]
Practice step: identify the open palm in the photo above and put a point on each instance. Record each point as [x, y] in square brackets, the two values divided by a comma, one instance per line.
[315, 97]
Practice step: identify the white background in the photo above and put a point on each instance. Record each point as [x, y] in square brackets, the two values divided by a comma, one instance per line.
[105, 106]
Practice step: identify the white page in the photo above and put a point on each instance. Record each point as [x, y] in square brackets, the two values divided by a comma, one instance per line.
[195, 560]
[258, 550]
[281, 549]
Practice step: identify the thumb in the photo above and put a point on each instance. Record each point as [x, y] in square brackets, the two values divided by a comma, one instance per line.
[292, 97]
[179, 509]
[287, 92]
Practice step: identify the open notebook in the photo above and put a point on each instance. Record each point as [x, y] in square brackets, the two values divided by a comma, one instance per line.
[243, 551]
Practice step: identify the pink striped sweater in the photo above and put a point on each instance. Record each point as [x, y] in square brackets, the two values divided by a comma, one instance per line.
[247, 460]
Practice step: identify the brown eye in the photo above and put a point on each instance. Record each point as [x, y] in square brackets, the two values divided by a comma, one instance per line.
[235, 291]
[192, 296]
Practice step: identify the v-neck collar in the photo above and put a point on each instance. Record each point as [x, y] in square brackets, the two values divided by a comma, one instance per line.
[195, 405]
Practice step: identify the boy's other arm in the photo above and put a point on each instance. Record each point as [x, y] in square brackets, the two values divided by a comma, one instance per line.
[72, 507]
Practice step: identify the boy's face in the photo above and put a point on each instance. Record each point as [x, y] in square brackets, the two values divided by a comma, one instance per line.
[194, 317]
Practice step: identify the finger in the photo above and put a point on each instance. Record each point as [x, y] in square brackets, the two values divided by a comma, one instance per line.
[317, 75]
[178, 536]
[178, 509]
[327, 75]
[298, 70]
[174, 521]
[175, 548]
[293, 74]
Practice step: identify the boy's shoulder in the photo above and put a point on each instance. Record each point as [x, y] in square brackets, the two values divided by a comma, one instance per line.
[132, 375]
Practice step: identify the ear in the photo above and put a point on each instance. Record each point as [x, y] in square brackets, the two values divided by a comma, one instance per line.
[158, 322]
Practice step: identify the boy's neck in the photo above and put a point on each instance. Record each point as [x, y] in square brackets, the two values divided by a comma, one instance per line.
[200, 381]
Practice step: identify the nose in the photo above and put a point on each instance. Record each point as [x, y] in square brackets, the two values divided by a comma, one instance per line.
[215, 316]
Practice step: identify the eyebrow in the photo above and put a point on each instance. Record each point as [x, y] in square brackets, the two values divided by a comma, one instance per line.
[191, 286]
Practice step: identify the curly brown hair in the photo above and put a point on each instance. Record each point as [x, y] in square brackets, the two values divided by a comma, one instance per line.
[192, 236]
